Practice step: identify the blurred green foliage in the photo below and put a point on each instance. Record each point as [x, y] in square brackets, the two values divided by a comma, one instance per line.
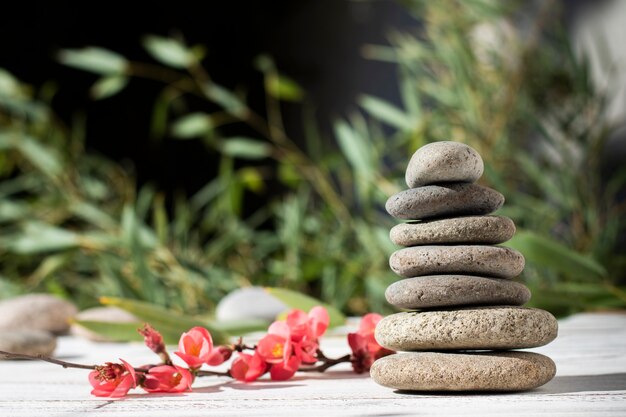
[75, 224]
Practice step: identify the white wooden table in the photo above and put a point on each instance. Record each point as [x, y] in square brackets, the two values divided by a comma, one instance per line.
[590, 354]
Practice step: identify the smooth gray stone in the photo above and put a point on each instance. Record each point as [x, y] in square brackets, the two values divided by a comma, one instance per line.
[467, 329]
[469, 229]
[444, 201]
[445, 161]
[249, 303]
[37, 312]
[488, 371]
[455, 290]
[102, 314]
[491, 261]
[27, 342]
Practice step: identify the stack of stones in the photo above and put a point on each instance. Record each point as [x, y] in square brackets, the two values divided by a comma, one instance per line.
[465, 311]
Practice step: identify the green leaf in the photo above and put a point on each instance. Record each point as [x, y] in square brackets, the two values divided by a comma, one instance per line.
[284, 88]
[546, 252]
[241, 327]
[168, 51]
[192, 125]
[160, 317]
[126, 332]
[9, 85]
[39, 237]
[93, 59]
[386, 112]
[354, 149]
[108, 86]
[229, 101]
[42, 157]
[245, 148]
[303, 302]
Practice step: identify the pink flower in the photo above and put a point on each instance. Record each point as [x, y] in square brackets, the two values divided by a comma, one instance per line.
[167, 378]
[248, 367]
[219, 355]
[195, 347]
[112, 379]
[154, 341]
[365, 348]
[275, 347]
[305, 330]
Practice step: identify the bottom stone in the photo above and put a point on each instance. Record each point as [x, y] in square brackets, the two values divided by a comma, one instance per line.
[485, 371]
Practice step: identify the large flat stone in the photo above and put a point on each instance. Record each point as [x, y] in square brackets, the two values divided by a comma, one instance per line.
[27, 342]
[444, 201]
[467, 329]
[455, 290]
[443, 162]
[492, 261]
[489, 371]
[468, 229]
[36, 312]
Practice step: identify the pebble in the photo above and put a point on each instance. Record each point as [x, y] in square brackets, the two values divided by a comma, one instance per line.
[101, 314]
[27, 342]
[455, 290]
[491, 261]
[469, 229]
[37, 312]
[440, 162]
[444, 201]
[490, 328]
[489, 371]
[248, 304]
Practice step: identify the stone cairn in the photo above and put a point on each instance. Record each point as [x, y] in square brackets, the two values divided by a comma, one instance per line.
[465, 312]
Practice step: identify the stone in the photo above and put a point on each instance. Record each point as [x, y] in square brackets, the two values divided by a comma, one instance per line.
[488, 371]
[469, 229]
[102, 314]
[36, 312]
[467, 329]
[249, 303]
[440, 162]
[455, 290]
[448, 200]
[27, 342]
[491, 261]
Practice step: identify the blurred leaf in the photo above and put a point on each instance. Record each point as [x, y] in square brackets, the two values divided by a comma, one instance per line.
[93, 59]
[9, 85]
[354, 149]
[241, 327]
[252, 179]
[108, 86]
[126, 332]
[41, 156]
[303, 302]
[11, 211]
[283, 88]
[168, 51]
[39, 237]
[386, 112]
[549, 253]
[245, 148]
[192, 125]
[229, 101]
[160, 317]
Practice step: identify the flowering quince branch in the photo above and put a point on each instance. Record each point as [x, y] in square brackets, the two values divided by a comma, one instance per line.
[289, 346]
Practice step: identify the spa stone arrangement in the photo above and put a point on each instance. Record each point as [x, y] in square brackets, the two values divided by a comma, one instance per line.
[465, 313]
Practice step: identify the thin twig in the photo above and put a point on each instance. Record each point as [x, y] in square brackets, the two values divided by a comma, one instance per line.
[64, 364]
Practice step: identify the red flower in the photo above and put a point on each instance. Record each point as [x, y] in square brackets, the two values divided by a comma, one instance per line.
[248, 368]
[112, 379]
[154, 341]
[219, 355]
[305, 331]
[195, 347]
[167, 378]
[365, 348]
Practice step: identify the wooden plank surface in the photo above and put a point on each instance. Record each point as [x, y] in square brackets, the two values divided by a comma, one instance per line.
[590, 354]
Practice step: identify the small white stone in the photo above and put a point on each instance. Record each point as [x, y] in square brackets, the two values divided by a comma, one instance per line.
[250, 303]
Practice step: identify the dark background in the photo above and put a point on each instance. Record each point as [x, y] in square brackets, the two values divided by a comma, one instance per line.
[315, 42]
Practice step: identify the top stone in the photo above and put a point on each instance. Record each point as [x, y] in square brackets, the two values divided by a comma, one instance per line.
[441, 162]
